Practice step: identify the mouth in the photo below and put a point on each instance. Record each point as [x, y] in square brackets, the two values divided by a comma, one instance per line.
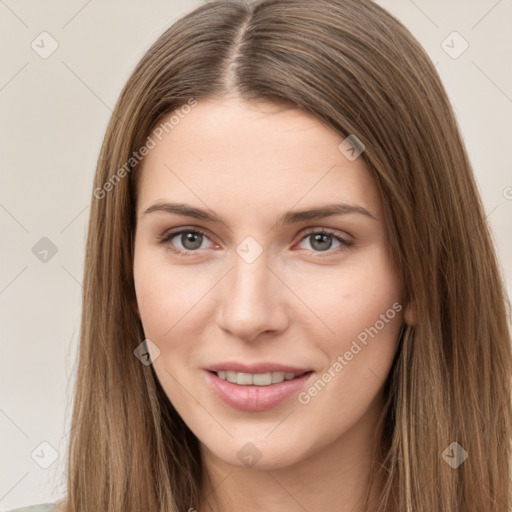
[256, 392]
[257, 379]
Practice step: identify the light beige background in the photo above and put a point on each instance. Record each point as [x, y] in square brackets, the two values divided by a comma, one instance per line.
[53, 115]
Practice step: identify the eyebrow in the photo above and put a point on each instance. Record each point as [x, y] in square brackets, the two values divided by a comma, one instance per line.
[290, 217]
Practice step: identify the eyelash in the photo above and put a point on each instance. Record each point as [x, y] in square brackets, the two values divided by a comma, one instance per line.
[169, 235]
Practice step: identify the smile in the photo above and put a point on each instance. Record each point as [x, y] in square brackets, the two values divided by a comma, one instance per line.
[255, 392]
[256, 379]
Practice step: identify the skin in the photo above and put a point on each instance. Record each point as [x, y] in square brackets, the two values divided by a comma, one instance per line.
[295, 304]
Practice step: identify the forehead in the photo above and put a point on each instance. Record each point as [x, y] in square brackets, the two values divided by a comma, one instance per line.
[259, 154]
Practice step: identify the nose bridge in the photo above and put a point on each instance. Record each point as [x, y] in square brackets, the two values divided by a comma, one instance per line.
[250, 279]
[251, 302]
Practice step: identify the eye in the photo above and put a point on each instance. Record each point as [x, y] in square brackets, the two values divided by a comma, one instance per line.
[186, 241]
[322, 241]
[190, 239]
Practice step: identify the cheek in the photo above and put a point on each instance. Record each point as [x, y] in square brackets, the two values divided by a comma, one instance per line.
[164, 296]
[363, 308]
[364, 292]
[155, 288]
[170, 297]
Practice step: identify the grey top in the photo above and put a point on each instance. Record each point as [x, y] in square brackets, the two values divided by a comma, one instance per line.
[45, 507]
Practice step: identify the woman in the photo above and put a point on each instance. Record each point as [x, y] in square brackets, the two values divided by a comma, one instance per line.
[291, 297]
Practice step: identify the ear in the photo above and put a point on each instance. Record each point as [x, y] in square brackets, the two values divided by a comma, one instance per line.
[410, 314]
[135, 306]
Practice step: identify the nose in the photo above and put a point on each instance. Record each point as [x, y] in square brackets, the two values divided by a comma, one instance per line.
[253, 300]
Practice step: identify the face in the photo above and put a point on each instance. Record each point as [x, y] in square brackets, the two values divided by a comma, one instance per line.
[275, 328]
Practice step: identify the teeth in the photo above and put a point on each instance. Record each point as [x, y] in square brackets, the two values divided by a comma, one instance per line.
[257, 379]
[261, 379]
[245, 379]
[277, 377]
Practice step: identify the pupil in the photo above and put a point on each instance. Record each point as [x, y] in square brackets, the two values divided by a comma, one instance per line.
[191, 240]
[323, 245]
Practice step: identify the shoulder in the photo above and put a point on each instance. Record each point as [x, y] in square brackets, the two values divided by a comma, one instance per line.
[45, 507]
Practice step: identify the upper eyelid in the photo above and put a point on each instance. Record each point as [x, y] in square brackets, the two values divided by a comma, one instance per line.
[171, 233]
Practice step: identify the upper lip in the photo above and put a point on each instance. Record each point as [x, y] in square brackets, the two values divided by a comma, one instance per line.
[255, 368]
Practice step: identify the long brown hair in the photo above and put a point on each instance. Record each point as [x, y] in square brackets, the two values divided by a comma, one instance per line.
[360, 71]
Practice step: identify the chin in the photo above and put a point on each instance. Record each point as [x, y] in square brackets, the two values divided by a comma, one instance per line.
[259, 454]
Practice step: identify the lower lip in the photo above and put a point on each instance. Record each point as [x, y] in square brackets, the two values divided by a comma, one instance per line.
[255, 398]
